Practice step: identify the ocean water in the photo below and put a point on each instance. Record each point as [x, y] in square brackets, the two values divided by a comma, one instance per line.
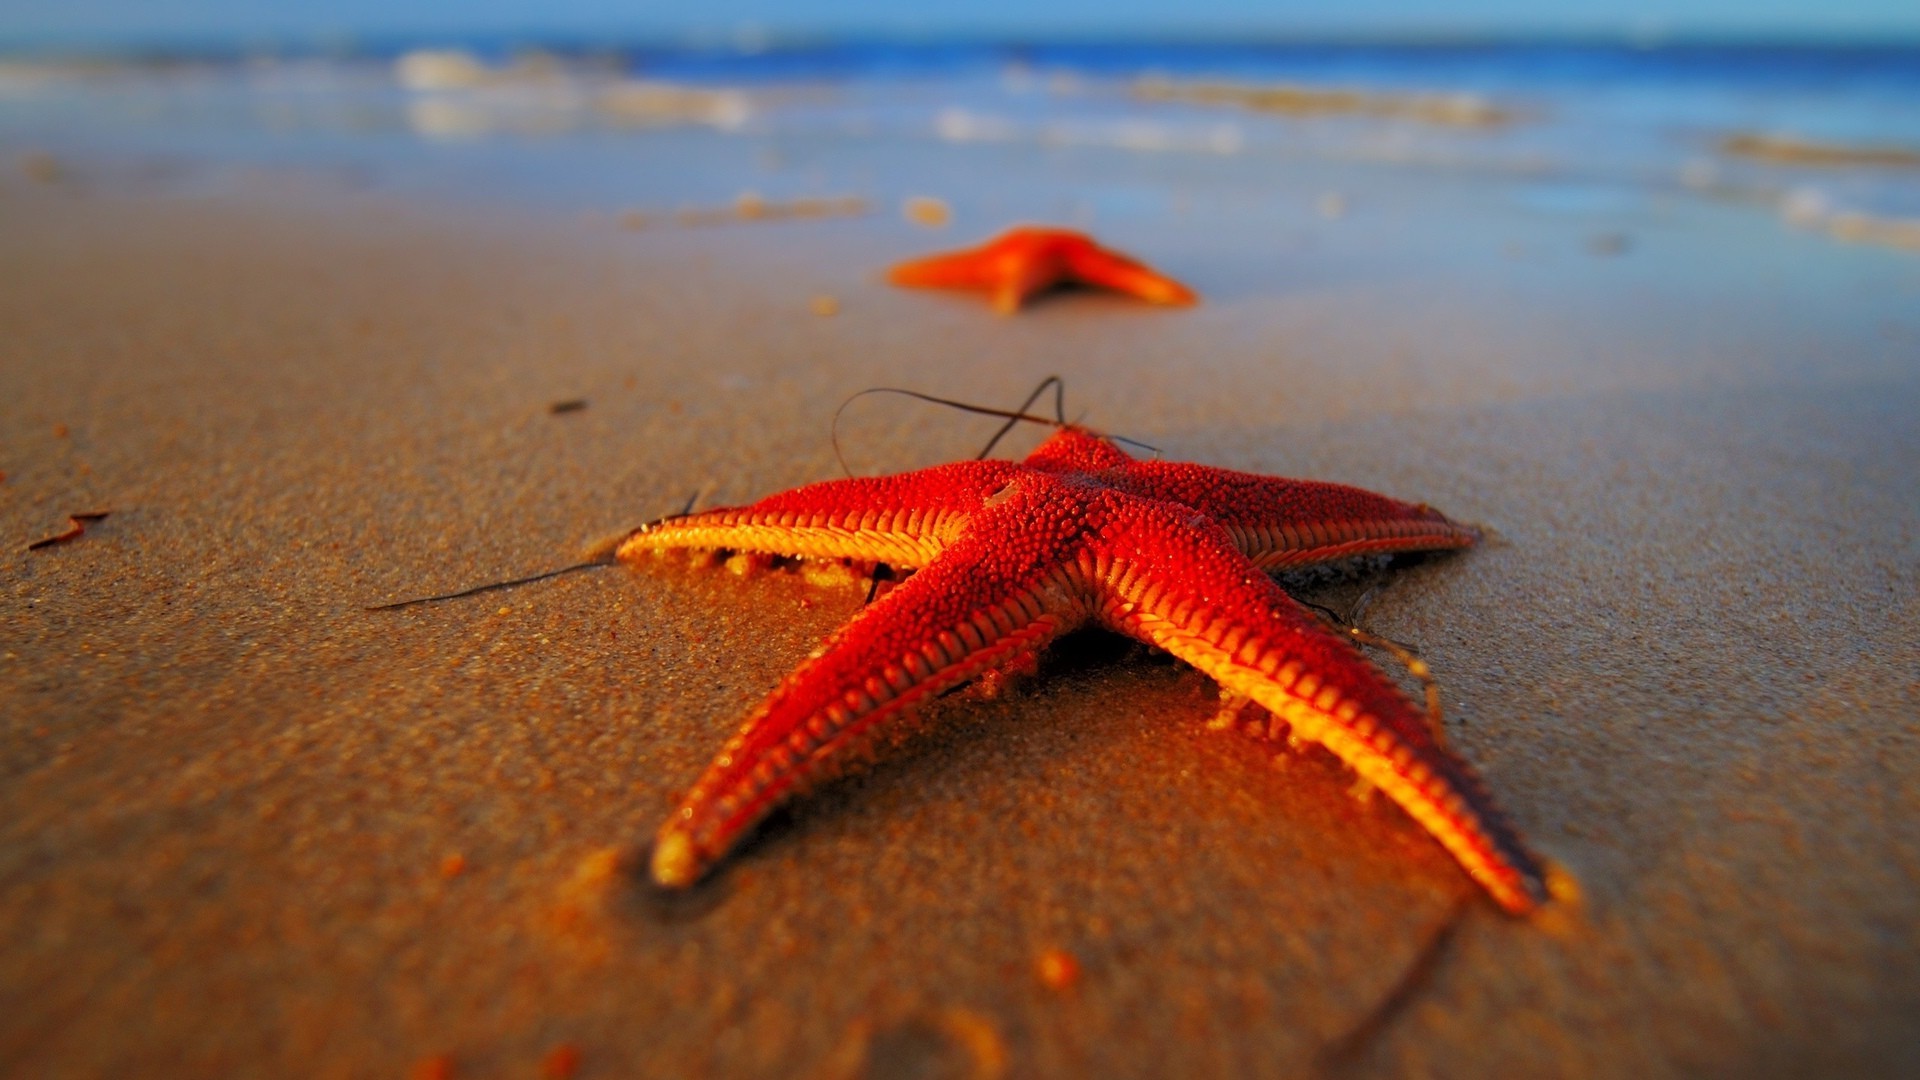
[1819, 138]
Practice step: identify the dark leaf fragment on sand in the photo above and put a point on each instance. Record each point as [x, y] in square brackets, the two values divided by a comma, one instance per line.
[76, 528]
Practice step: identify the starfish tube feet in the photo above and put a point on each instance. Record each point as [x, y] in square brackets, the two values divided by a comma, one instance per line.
[903, 521]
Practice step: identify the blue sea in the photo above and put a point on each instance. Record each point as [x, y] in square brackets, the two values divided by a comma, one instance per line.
[1815, 136]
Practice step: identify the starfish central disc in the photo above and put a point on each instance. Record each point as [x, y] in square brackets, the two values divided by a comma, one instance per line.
[1010, 555]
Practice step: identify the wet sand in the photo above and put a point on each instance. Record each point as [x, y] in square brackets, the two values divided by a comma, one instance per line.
[249, 828]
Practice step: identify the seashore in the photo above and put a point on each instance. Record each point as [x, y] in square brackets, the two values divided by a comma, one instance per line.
[248, 826]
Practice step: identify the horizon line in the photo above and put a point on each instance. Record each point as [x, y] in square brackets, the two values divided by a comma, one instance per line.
[748, 40]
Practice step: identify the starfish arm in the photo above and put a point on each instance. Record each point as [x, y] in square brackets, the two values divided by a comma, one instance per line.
[904, 520]
[1180, 584]
[1011, 269]
[973, 610]
[1096, 265]
[978, 268]
[1281, 524]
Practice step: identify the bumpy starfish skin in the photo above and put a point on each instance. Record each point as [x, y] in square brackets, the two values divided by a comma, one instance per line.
[1030, 259]
[1012, 555]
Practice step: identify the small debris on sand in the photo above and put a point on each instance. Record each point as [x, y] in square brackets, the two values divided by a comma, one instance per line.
[561, 1063]
[1057, 969]
[76, 528]
[567, 406]
[834, 573]
[437, 1067]
[749, 206]
[581, 905]
[752, 206]
[599, 868]
[1612, 243]
[927, 210]
[41, 167]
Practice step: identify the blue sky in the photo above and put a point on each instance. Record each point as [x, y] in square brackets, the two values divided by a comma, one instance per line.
[109, 20]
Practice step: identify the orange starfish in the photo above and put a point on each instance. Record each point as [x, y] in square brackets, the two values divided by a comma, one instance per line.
[1031, 259]
[1011, 555]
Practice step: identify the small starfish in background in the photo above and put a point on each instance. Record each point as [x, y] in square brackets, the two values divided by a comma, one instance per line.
[1011, 555]
[1031, 259]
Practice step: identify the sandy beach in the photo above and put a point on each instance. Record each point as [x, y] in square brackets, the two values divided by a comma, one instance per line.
[249, 828]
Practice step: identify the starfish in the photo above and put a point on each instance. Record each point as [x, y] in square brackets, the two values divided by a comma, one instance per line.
[1031, 259]
[1008, 556]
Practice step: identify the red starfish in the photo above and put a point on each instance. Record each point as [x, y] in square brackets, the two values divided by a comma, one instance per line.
[1031, 259]
[1011, 555]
